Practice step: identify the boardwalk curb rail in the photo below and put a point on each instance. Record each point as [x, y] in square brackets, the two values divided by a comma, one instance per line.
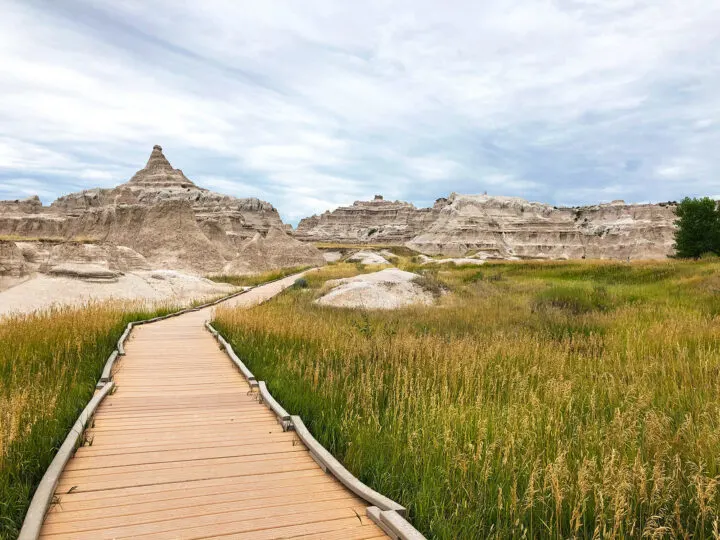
[252, 381]
[384, 512]
[267, 398]
[394, 525]
[123, 337]
[328, 463]
[107, 370]
[46, 489]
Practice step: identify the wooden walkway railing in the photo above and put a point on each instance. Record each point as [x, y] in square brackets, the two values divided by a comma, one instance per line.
[182, 448]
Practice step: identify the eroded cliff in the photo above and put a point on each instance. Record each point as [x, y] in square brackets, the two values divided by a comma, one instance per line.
[376, 221]
[502, 227]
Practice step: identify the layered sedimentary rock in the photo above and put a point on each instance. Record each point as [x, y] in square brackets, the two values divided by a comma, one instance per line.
[13, 267]
[78, 259]
[159, 213]
[376, 221]
[97, 262]
[276, 250]
[510, 227]
[505, 228]
[12, 262]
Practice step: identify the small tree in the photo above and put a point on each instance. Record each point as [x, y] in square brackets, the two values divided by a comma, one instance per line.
[698, 227]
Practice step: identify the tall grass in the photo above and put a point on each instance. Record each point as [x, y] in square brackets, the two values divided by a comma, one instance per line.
[537, 400]
[49, 364]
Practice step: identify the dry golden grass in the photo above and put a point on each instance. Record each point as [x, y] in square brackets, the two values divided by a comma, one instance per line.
[538, 400]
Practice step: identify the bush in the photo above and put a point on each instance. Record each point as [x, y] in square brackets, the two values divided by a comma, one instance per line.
[300, 283]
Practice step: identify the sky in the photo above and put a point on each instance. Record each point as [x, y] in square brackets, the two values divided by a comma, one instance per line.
[314, 104]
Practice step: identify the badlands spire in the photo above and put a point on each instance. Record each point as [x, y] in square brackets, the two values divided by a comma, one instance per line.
[158, 173]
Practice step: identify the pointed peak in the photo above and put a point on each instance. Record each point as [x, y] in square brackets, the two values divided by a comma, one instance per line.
[157, 160]
[159, 173]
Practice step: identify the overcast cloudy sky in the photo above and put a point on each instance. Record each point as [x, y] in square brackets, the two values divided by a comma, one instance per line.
[315, 103]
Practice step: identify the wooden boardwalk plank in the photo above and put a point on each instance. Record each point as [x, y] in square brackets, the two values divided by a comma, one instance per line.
[183, 449]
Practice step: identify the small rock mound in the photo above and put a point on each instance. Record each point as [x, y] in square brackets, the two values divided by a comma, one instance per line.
[367, 257]
[332, 256]
[107, 256]
[388, 289]
[90, 262]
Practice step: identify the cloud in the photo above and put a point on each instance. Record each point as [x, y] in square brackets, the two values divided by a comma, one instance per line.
[315, 104]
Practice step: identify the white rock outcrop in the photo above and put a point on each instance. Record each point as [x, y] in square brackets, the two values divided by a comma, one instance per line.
[150, 287]
[388, 289]
[457, 261]
[367, 257]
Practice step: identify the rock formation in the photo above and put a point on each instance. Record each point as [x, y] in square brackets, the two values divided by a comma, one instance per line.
[12, 262]
[276, 250]
[503, 227]
[367, 257]
[388, 289]
[13, 267]
[159, 213]
[377, 221]
[91, 261]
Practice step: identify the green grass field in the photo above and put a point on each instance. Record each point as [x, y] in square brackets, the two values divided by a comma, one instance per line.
[49, 365]
[557, 400]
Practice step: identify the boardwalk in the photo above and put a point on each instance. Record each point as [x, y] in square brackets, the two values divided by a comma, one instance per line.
[183, 449]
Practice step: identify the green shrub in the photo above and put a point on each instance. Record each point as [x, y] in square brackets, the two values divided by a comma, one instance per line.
[698, 227]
